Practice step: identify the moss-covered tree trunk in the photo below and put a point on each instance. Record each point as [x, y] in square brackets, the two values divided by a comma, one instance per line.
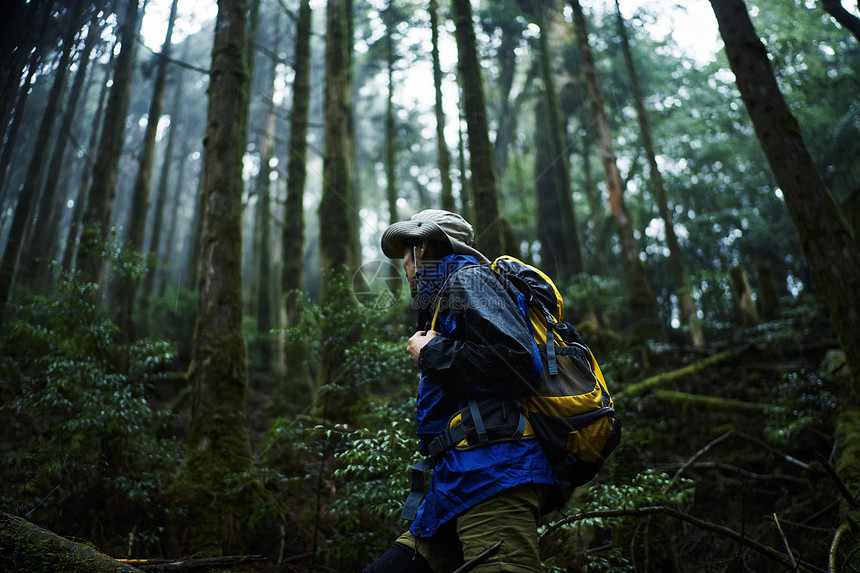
[442, 151]
[643, 304]
[336, 207]
[824, 237]
[217, 439]
[26, 547]
[94, 231]
[485, 200]
[568, 259]
[28, 197]
[689, 316]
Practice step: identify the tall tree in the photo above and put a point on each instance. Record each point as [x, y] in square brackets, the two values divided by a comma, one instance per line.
[676, 260]
[80, 196]
[292, 238]
[161, 192]
[825, 239]
[389, 18]
[217, 439]
[46, 231]
[36, 168]
[643, 305]
[442, 151]
[550, 231]
[94, 230]
[143, 181]
[568, 259]
[336, 205]
[485, 200]
[23, 25]
[263, 227]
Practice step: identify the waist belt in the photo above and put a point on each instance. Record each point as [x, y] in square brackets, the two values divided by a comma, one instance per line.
[478, 424]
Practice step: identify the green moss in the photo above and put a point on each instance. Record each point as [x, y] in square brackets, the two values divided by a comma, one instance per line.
[27, 548]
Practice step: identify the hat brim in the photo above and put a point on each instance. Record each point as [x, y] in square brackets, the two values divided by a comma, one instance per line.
[395, 237]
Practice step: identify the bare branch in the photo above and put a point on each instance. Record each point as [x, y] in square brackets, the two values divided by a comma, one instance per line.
[179, 63]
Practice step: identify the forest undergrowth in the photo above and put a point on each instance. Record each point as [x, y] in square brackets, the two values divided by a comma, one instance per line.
[727, 468]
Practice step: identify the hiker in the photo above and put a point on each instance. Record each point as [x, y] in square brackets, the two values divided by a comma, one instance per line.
[472, 344]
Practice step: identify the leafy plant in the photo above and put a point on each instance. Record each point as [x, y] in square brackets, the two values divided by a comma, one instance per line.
[86, 444]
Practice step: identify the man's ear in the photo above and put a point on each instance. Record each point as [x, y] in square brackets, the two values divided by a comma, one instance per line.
[421, 247]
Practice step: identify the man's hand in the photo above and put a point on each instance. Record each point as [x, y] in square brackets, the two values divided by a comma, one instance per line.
[417, 342]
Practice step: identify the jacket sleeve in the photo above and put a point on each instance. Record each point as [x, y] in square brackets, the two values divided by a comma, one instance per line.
[487, 347]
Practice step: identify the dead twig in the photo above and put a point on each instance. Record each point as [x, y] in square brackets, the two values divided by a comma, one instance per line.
[785, 541]
[695, 457]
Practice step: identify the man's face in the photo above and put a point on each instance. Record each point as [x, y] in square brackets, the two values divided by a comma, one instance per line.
[409, 268]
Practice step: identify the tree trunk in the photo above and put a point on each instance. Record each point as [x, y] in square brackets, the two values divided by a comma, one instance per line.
[168, 253]
[767, 297]
[507, 58]
[17, 39]
[28, 547]
[824, 237]
[292, 238]
[593, 194]
[217, 433]
[689, 316]
[643, 305]
[81, 194]
[390, 125]
[742, 293]
[569, 258]
[466, 203]
[488, 228]
[94, 231]
[263, 226]
[45, 233]
[443, 153]
[158, 211]
[124, 305]
[549, 225]
[36, 168]
[336, 205]
[192, 263]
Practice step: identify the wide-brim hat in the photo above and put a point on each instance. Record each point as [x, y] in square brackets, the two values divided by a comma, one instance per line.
[432, 224]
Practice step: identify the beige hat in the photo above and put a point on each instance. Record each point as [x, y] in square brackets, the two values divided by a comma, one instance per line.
[433, 224]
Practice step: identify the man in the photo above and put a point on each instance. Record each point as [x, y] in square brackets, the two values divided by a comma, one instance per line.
[474, 347]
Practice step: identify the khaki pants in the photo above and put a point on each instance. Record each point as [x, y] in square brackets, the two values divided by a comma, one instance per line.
[510, 517]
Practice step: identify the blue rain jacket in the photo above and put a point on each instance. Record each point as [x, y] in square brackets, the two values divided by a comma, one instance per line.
[485, 350]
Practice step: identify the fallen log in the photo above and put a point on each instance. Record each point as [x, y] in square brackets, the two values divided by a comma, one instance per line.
[665, 377]
[711, 403]
[28, 547]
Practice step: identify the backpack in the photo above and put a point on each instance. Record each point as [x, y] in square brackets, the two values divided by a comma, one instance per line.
[569, 410]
